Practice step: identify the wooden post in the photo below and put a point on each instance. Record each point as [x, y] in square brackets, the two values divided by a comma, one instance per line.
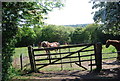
[79, 58]
[98, 56]
[21, 61]
[70, 59]
[91, 62]
[31, 58]
[80, 62]
[49, 57]
[61, 60]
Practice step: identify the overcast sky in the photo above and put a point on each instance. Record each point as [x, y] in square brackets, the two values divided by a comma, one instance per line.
[74, 12]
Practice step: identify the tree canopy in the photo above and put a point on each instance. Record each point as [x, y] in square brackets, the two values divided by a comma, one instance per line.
[109, 14]
[20, 14]
[57, 33]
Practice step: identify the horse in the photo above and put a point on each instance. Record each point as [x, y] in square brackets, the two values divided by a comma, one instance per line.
[48, 45]
[116, 44]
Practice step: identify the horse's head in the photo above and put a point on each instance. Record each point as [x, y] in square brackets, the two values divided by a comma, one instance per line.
[107, 43]
[44, 44]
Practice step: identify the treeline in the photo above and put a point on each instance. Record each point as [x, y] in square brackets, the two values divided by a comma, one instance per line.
[77, 25]
[74, 35]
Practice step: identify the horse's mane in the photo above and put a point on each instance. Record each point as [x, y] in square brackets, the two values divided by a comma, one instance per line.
[44, 41]
[116, 41]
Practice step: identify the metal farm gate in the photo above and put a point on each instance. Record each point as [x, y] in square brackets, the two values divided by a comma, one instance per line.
[36, 63]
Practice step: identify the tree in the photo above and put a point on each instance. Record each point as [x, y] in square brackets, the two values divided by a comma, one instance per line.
[15, 14]
[109, 14]
[38, 31]
[56, 33]
[78, 36]
[90, 34]
[25, 34]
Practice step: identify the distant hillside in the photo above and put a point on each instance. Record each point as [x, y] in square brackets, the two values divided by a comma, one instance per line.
[77, 25]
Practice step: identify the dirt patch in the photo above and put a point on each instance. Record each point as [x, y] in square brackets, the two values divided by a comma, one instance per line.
[112, 73]
[17, 63]
[111, 69]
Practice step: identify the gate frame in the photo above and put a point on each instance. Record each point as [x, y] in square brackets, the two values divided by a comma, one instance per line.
[32, 58]
[97, 51]
[98, 56]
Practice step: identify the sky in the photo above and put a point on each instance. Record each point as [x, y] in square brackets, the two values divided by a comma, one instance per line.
[74, 12]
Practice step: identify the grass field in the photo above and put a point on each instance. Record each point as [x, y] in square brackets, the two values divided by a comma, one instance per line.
[24, 52]
[54, 68]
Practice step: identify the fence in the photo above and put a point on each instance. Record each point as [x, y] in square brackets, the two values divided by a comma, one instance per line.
[97, 54]
[109, 54]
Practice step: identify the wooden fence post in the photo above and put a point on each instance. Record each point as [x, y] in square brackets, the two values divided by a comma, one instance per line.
[70, 58]
[21, 64]
[31, 58]
[61, 60]
[98, 56]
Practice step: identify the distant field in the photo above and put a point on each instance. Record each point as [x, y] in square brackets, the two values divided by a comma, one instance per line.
[24, 51]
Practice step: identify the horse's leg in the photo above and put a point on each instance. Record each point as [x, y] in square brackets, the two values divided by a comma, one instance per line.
[56, 50]
[47, 53]
[49, 57]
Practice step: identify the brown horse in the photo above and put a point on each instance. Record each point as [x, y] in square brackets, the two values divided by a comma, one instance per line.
[48, 44]
[116, 44]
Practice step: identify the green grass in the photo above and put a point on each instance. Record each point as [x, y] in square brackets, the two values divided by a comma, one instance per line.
[24, 51]
[21, 50]
[109, 50]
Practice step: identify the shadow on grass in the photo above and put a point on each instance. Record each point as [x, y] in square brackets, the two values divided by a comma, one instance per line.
[78, 75]
[113, 63]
